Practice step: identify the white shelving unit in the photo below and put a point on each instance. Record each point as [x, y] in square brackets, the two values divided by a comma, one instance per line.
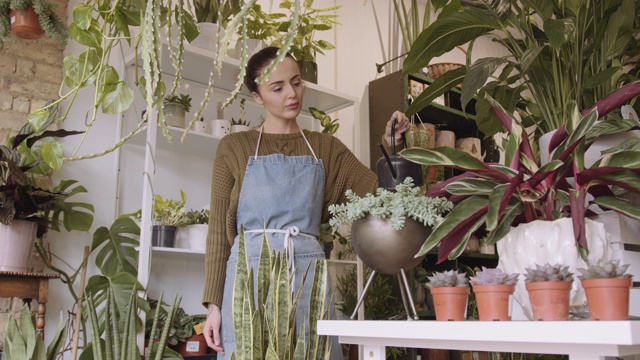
[144, 172]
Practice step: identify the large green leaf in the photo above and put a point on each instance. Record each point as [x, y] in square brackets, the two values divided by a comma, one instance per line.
[439, 86]
[470, 186]
[559, 31]
[446, 33]
[477, 76]
[443, 156]
[116, 249]
[118, 99]
[620, 205]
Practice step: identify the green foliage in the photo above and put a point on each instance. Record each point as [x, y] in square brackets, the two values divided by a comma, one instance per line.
[182, 99]
[49, 20]
[216, 11]
[498, 197]
[406, 201]
[21, 342]
[265, 323]
[409, 20]
[304, 47]
[557, 53]
[242, 120]
[329, 126]
[22, 199]
[195, 217]
[261, 25]
[180, 328]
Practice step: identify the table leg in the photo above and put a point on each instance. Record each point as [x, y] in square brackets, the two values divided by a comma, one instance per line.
[374, 352]
[40, 316]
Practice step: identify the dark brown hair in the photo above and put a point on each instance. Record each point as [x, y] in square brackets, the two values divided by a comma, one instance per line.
[257, 63]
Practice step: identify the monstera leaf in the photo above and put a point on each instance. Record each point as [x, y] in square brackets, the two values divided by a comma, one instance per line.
[117, 251]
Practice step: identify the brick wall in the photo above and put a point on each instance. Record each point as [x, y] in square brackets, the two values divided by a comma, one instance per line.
[30, 75]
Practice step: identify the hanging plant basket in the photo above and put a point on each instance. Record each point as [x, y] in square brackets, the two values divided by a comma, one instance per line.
[25, 24]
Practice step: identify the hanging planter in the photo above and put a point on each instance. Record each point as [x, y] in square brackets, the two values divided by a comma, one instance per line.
[25, 24]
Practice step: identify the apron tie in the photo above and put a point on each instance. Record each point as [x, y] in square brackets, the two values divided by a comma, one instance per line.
[289, 246]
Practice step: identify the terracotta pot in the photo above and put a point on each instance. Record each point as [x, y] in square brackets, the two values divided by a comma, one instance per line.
[608, 299]
[26, 26]
[549, 299]
[493, 301]
[195, 345]
[450, 303]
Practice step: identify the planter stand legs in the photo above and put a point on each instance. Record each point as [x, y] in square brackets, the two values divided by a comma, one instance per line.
[405, 291]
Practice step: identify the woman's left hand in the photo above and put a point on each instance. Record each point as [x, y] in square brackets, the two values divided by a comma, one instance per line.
[401, 126]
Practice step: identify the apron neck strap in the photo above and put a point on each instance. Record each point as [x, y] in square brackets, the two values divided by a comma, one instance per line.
[301, 132]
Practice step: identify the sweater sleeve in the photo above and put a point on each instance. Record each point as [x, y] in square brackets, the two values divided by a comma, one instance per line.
[218, 245]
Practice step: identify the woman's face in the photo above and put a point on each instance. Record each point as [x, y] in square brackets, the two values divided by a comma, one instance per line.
[282, 94]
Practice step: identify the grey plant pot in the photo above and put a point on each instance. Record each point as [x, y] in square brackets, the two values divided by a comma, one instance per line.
[163, 235]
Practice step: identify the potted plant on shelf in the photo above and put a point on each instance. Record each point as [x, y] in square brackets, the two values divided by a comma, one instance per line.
[450, 291]
[212, 17]
[493, 289]
[197, 227]
[261, 28]
[549, 287]
[175, 109]
[304, 48]
[241, 124]
[30, 19]
[556, 54]
[168, 215]
[607, 288]
[28, 209]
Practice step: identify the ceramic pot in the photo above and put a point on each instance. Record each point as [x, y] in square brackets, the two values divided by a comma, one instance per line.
[26, 26]
[493, 301]
[608, 299]
[201, 127]
[386, 250]
[197, 237]
[219, 127]
[195, 345]
[450, 303]
[308, 71]
[239, 128]
[174, 115]
[16, 245]
[208, 36]
[549, 299]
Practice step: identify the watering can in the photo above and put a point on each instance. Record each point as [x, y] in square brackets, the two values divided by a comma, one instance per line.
[393, 170]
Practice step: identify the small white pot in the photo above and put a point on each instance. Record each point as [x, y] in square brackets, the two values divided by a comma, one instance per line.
[198, 237]
[238, 128]
[182, 237]
[219, 127]
[201, 127]
[174, 115]
[208, 36]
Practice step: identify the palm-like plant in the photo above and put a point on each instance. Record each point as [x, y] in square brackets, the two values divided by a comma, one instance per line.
[558, 52]
[500, 196]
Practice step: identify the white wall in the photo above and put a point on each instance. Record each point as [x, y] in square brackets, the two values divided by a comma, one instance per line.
[367, 36]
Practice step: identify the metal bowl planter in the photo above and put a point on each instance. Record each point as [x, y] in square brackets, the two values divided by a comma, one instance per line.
[390, 252]
[385, 250]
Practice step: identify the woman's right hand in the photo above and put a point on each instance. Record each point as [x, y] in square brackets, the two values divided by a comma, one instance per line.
[212, 328]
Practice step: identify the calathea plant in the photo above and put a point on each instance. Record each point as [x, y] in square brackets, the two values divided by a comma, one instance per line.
[498, 197]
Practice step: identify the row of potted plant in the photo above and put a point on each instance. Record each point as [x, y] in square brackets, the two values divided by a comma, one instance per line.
[607, 287]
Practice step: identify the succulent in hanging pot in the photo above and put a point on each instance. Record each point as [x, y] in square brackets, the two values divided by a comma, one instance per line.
[29, 19]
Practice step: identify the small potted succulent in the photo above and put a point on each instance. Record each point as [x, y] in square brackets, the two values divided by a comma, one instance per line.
[549, 287]
[30, 19]
[493, 289]
[450, 292]
[175, 109]
[388, 228]
[241, 124]
[607, 287]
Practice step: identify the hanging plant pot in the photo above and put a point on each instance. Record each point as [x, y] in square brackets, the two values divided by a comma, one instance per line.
[608, 299]
[493, 301]
[25, 24]
[308, 71]
[549, 299]
[450, 303]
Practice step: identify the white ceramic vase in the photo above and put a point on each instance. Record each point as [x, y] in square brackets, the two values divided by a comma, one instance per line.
[219, 127]
[16, 245]
[198, 237]
[175, 115]
[542, 242]
[238, 128]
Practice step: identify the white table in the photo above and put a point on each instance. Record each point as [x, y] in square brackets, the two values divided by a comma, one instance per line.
[581, 340]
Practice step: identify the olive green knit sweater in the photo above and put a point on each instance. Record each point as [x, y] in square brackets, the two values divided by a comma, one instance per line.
[342, 171]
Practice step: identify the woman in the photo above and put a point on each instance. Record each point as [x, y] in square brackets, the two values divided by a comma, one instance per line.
[277, 176]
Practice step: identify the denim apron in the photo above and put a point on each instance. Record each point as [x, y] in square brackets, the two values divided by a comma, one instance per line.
[284, 195]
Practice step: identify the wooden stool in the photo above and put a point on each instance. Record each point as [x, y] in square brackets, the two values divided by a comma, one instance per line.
[28, 286]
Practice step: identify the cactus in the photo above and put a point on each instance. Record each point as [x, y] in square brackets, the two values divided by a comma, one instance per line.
[493, 276]
[548, 272]
[449, 278]
[604, 269]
